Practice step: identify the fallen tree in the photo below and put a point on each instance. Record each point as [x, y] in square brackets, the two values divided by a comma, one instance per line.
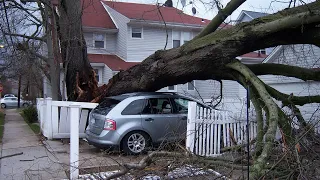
[211, 55]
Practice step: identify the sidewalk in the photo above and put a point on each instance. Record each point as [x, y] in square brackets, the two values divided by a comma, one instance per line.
[34, 161]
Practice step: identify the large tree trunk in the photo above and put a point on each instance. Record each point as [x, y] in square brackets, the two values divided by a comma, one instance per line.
[80, 77]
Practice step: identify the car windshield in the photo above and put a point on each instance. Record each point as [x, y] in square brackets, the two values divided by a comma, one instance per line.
[106, 105]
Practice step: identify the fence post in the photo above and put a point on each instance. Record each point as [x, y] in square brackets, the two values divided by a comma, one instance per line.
[74, 141]
[48, 119]
[192, 108]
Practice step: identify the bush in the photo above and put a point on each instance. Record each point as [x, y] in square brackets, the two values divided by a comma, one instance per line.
[30, 114]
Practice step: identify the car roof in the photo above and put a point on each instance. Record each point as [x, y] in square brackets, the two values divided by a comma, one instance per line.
[154, 95]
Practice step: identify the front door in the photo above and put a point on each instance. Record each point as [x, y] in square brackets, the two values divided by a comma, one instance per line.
[159, 119]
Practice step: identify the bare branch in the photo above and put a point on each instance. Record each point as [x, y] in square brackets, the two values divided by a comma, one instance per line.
[285, 70]
[25, 36]
[220, 17]
[144, 163]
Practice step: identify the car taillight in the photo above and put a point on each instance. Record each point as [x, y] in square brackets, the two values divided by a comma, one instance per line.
[109, 125]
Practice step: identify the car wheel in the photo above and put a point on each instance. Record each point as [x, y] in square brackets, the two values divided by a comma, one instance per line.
[3, 105]
[25, 105]
[135, 143]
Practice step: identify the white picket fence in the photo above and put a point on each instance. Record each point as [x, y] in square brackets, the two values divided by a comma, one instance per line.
[65, 119]
[55, 120]
[210, 130]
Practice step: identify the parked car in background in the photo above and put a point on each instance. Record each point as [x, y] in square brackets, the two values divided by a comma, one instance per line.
[9, 95]
[136, 121]
[13, 102]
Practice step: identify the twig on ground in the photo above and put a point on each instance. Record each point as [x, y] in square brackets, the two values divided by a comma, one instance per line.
[16, 154]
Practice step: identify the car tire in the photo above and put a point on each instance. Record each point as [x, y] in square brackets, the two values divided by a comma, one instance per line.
[25, 105]
[135, 143]
[3, 105]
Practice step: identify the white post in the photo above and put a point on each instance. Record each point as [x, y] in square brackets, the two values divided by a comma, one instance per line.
[48, 120]
[192, 107]
[74, 141]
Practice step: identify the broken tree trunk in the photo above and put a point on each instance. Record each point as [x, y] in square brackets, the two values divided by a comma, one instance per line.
[80, 77]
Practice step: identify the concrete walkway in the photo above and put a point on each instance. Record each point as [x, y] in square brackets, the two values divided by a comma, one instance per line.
[35, 162]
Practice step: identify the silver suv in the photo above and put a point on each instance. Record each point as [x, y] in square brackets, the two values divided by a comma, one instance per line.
[136, 121]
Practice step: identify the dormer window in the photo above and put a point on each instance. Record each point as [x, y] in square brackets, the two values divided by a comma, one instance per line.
[98, 40]
[136, 32]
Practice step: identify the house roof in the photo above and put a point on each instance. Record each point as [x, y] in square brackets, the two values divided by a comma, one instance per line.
[150, 12]
[254, 14]
[254, 55]
[112, 61]
[95, 15]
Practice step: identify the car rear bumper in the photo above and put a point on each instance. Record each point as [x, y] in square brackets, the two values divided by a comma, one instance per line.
[105, 139]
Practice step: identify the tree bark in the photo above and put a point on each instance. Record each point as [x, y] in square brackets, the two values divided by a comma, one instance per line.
[80, 77]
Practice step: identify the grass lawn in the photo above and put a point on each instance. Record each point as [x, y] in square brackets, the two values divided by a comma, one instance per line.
[1, 124]
[33, 126]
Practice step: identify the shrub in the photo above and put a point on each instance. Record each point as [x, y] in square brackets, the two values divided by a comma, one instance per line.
[30, 114]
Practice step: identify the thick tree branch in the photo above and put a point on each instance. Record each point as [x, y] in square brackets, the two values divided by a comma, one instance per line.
[297, 100]
[273, 116]
[285, 70]
[220, 17]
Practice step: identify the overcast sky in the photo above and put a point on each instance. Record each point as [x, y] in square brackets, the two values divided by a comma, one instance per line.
[206, 11]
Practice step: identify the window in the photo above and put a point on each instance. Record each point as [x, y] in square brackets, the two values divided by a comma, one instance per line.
[97, 74]
[176, 37]
[134, 108]
[176, 43]
[191, 86]
[106, 106]
[158, 106]
[181, 105]
[98, 40]
[136, 32]
[172, 88]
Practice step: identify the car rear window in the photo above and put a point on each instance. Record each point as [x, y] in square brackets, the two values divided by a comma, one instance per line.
[134, 108]
[106, 105]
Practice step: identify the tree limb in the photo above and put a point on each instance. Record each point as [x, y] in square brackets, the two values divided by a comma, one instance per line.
[297, 100]
[220, 17]
[272, 107]
[285, 70]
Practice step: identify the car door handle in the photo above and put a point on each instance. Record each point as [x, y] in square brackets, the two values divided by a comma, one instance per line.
[149, 119]
[184, 118]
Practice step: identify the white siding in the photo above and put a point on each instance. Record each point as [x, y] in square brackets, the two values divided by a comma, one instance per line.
[110, 43]
[152, 40]
[107, 74]
[245, 18]
[121, 23]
